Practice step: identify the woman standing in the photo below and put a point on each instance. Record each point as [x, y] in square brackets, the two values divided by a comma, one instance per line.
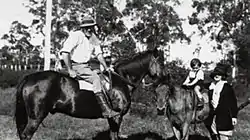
[223, 116]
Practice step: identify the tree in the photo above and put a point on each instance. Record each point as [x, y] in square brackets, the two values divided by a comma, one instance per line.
[155, 23]
[225, 20]
[158, 24]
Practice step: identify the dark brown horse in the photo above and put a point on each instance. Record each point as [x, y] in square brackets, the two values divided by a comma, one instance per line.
[47, 92]
[180, 106]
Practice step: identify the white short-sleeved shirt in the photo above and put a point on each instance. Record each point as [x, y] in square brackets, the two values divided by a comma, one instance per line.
[197, 74]
[80, 47]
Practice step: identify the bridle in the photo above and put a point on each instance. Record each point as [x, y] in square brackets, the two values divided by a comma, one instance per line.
[126, 80]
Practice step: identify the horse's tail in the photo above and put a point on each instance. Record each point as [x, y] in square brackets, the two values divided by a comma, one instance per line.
[20, 113]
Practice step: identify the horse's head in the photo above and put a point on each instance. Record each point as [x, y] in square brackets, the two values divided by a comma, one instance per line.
[136, 67]
[162, 93]
[156, 64]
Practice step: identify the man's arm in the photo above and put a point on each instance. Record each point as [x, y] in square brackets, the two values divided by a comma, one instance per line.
[186, 81]
[102, 61]
[199, 76]
[67, 60]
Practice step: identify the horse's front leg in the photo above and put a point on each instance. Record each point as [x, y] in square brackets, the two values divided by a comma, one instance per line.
[114, 124]
[185, 131]
[177, 133]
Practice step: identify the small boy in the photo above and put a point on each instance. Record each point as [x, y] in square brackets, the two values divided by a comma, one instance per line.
[195, 79]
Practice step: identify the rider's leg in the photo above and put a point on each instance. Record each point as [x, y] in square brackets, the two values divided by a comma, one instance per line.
[92, 77]
[197, 89]
[107, 112]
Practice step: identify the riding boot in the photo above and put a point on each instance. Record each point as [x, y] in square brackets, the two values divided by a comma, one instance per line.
[107, 112]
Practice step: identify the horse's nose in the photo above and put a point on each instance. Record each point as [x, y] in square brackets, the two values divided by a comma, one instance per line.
[160, 111]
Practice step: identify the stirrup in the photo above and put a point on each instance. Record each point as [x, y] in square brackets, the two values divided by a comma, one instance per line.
[200, 104]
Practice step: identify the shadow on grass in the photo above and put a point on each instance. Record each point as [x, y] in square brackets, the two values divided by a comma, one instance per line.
[141, 136]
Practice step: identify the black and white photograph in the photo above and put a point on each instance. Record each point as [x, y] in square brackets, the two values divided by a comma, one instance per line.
[124, 70]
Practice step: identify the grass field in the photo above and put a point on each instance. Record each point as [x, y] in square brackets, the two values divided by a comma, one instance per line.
[139, 124]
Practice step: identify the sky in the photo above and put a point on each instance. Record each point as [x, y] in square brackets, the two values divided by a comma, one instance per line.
[11, 10]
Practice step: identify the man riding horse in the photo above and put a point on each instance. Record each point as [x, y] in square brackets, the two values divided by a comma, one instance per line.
[76, 53]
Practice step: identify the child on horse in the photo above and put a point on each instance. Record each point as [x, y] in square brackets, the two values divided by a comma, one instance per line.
[195, 79]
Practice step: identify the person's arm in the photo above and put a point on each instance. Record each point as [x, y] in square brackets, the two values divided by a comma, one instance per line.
[233, 105]
[67, 60]
[199, 76]
[232, 102]
[186, 81]
[98, 52]
[102, 61]
[68, 46]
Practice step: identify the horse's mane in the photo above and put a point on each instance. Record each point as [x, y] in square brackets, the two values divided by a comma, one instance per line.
[134, 57]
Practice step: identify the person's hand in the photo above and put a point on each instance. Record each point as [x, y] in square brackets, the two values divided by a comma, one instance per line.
[108, 69]
[184, 84]
[72, 73]
[188, 84]
[234, 121]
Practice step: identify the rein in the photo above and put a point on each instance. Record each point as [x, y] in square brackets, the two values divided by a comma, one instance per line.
[126, 80]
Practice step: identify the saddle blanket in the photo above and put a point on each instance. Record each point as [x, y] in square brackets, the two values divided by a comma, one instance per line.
[85, 85]
[89, 86]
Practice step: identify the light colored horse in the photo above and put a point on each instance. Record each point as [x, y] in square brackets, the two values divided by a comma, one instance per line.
[180, 106]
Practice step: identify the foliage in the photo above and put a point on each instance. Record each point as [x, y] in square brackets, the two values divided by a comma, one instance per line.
[225, 20]
[154, 23]
[19, 49]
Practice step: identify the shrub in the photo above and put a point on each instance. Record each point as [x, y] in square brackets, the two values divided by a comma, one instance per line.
[9, 78]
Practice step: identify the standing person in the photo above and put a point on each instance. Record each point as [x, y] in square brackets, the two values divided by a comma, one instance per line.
[195, 79]
[78, 49]
[223, 116]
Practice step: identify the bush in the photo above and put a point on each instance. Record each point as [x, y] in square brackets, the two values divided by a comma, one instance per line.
[10, 78]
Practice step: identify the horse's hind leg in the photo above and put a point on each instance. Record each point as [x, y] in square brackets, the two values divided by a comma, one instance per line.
[30, 128]
[37, 110]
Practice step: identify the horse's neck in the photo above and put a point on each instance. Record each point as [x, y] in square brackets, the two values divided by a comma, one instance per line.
[177, 94]
[134, 76]
[135, 79]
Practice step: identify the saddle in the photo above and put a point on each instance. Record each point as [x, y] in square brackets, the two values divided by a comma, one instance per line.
[105, 82]
[83, 84]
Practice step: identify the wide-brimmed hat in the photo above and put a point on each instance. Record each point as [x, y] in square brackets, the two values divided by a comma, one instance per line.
[219, 70]
[87, 21]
